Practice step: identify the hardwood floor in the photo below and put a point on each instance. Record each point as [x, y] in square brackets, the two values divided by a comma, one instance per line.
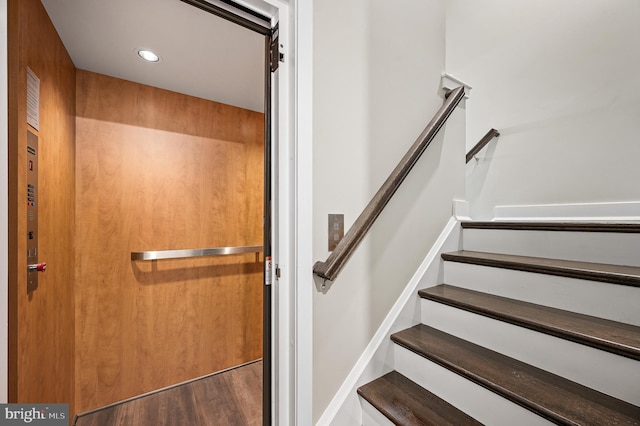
[232, 397]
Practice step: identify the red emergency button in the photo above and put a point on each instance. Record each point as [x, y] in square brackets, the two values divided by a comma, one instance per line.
[38, 267]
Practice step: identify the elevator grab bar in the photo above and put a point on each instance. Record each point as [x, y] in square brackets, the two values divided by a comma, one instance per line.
[181, 254]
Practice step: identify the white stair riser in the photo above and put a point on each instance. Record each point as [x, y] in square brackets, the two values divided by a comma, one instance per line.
[604, 300]
[576, 362]
[371, 416]
[598, 247]
[478, 402]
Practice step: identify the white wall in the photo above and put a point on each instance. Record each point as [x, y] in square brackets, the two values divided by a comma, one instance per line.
[4, 205]
[377, 68]
[560, 80]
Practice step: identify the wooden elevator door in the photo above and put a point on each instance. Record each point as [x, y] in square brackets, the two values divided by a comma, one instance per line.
[157, 170]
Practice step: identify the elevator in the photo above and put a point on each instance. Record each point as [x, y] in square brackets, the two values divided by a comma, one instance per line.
[122, 168]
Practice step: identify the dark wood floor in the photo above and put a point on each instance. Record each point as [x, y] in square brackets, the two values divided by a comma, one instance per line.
[233, 397]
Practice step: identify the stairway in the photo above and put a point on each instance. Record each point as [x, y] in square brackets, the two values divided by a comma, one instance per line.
[535, 323]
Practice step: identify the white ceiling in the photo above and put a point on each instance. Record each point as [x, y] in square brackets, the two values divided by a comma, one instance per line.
[200, 54]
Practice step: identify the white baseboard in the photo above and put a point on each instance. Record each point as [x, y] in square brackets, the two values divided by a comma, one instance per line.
[627, 211]
[373, 362]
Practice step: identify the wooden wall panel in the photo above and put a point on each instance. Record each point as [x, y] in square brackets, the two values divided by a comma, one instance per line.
[41, 325]
[159, 170]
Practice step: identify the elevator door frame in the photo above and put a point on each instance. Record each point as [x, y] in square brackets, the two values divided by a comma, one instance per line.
[292, 188]
[256, 22]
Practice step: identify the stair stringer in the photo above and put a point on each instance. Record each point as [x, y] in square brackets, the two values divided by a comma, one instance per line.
[345, 409]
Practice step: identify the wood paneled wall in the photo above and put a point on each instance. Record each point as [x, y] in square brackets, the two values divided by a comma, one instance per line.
[159, 170]
[41, 324]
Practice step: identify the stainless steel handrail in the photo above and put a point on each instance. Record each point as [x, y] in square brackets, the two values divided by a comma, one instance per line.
[330, 268]
[181, 254]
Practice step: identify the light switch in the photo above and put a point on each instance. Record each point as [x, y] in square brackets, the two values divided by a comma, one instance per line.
[336, 230]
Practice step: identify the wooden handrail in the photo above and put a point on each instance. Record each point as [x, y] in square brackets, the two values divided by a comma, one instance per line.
[493, 133]
[330, 268]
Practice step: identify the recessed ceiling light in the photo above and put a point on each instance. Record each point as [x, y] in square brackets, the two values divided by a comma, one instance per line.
[148, 55]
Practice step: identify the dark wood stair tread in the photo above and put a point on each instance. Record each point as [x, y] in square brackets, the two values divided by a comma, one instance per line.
[611, 336]
[616, 274]
[550, 396]
[406, 403]
[616, 227]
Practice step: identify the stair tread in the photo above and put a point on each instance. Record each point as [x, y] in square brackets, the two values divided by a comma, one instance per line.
[616, 274]
[406, 403]
[617, 227]
[551, 396]
[616, 337]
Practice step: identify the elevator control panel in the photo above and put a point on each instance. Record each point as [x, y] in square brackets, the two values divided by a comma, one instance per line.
[33, 267]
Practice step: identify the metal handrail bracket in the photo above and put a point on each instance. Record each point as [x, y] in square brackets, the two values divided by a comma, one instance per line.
[330, 268]
[181, 254]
